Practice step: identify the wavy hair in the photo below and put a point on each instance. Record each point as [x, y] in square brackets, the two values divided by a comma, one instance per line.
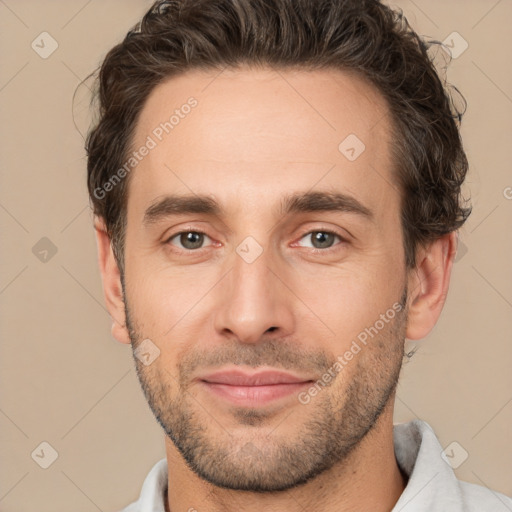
[360, 36]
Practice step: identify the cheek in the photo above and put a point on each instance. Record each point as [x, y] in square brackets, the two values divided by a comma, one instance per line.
[165, 308]
[161, 296]
[343, 302]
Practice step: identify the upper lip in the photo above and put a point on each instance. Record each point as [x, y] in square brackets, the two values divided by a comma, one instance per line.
[261, 378]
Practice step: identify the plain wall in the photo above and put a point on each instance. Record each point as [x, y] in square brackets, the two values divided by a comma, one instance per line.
[65, 381]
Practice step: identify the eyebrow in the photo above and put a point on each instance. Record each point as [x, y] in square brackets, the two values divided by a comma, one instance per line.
[302, 202]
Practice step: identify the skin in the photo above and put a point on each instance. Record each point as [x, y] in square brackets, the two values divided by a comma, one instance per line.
[255, 136]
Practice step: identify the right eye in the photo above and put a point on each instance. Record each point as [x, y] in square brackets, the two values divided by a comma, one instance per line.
[189, 240]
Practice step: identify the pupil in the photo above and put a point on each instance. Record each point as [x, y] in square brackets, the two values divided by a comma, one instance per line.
[191, 240]
[322, 238]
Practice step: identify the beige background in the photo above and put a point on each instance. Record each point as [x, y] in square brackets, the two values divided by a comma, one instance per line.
[65, 381]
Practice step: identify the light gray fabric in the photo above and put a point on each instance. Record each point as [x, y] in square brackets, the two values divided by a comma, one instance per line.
[432, 485]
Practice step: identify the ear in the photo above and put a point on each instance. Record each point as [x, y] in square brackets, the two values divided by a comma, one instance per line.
[428, 284]
[111, 278]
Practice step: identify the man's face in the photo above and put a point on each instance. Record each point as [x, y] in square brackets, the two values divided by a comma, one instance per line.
[265, 283]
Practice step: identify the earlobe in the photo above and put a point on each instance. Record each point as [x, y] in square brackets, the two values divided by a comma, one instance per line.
[428, 285]
[111, 278]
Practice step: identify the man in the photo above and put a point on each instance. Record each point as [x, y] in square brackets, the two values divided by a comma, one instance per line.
[276, 188]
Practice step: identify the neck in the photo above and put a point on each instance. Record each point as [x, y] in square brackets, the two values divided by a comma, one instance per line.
[368, 479]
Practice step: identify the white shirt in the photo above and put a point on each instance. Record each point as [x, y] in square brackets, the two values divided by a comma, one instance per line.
[432, 485]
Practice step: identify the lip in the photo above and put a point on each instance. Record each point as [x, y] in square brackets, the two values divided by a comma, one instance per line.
[253, 389]
[261, 378]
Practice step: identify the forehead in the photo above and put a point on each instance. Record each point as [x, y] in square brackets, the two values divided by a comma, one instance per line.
[247, 134]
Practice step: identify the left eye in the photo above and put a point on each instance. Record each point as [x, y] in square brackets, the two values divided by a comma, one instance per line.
[321, 239]
[189, 240]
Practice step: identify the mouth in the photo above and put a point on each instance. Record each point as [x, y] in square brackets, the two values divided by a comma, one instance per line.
[253, 389]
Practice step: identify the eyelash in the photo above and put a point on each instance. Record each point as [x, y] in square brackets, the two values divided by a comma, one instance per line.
[313, 250]
[194, 251]
[328, 250]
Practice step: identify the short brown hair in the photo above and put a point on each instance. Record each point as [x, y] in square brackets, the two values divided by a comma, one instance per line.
[362, 36]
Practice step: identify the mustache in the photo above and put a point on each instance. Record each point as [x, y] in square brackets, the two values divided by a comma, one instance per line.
[276, 353]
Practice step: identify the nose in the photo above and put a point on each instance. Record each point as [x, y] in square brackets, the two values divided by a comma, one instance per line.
[254, 301]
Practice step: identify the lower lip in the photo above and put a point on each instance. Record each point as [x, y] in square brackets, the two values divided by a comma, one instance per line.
[255, 395]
